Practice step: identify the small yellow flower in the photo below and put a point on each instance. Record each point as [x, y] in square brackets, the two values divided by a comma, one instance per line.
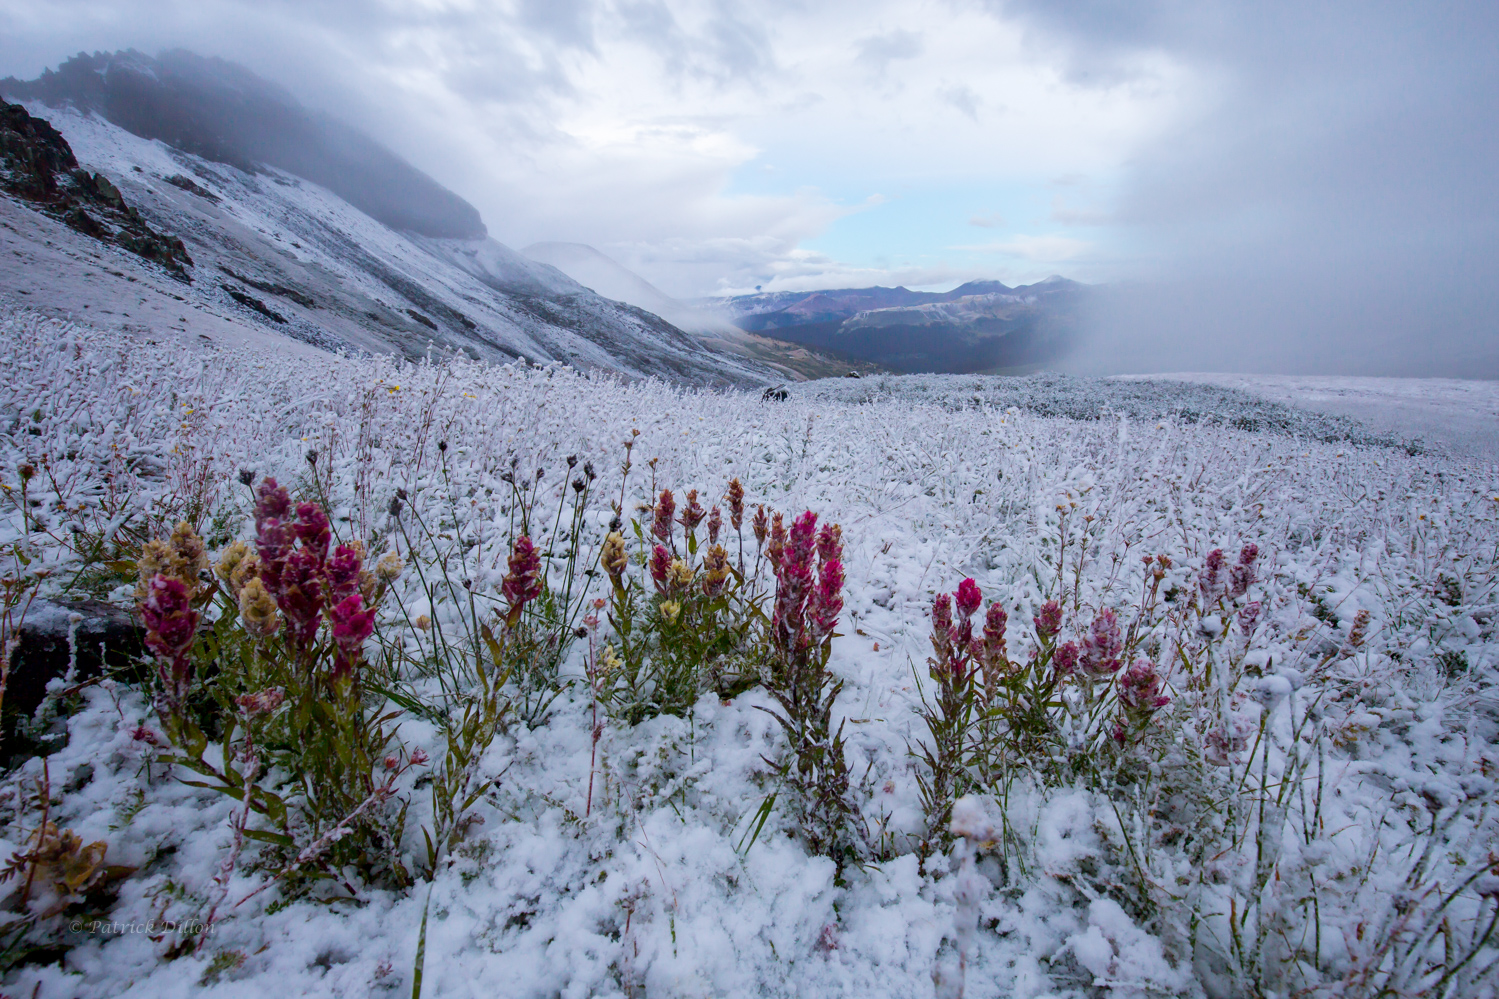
[670, 610]
[423, 623]
[680, 573]
[388, 569]
[230, 560]
[257, 610]
[614, 559]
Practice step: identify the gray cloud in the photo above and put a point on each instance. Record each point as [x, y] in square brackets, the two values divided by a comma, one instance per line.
[877, 52]
[964, 99]
[1330, 208]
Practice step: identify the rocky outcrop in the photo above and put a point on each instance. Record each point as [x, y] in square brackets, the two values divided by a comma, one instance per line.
[37, 164]
[224, 113]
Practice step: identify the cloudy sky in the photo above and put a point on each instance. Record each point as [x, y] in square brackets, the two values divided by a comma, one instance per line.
[1262, 185]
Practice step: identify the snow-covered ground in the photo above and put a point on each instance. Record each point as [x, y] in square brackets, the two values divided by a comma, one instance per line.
[932, 480]
[1457, 414]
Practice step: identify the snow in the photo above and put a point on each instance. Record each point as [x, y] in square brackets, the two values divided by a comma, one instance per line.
[1461, 415]
[933, 479]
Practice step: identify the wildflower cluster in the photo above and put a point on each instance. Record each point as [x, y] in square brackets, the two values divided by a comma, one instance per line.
[808, 565]
[692, 627]
[284, 661]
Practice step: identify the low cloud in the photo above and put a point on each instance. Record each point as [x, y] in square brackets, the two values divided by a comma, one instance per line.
[1327, 206]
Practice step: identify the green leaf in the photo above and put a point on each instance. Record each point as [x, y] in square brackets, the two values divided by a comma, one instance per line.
[274, 838]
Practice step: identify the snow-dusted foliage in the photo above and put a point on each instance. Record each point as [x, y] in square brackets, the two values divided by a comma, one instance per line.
[1302, 806]
[1080, 398]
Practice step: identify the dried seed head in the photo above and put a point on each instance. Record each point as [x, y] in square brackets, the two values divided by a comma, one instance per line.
[246, 477]
[588, 471]
[26, 470]
[666, 507]
[442, 447]
[572, 461]
[1358, 634]
[777, 543]
[735, 498]
[312, 457]
[579, 485]
[394, 508]
[759, 526]
[715, 525]
[692, 513]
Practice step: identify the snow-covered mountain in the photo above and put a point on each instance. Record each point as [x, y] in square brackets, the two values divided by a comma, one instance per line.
[275, 251]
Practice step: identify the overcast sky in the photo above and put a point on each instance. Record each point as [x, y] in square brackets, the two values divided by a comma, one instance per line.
[1268, 186]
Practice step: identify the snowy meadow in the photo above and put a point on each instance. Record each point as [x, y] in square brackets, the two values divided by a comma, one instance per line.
[1087, 695]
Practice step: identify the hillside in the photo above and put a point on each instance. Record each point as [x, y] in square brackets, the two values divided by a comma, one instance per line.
[274, 251]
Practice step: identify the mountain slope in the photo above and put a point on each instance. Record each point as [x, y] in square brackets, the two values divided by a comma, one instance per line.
[276, 251]
[226, 114]
[608, 277]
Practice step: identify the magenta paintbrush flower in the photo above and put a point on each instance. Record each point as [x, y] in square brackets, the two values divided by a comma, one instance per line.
[1101, 646]
[1048, 620]
[968, 598]
[522, 583]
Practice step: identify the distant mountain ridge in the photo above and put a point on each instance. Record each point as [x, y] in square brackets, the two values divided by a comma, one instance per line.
[226, 114]
[980, 326]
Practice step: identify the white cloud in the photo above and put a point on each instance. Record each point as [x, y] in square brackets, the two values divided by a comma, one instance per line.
[1042, 249]
[639, 122]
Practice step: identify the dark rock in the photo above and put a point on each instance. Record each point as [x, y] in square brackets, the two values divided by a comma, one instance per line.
[38, 165]
[251, 302]
[223, 112]
[271, 288]
[106, 638]
[191, 187]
